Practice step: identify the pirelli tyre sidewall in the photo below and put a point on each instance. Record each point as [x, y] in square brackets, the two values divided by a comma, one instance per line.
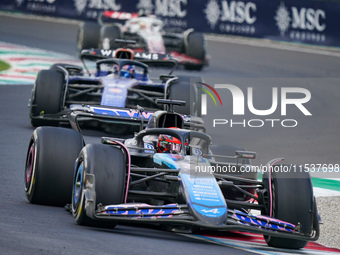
[107, 165]
[49, 165]
[292, 201]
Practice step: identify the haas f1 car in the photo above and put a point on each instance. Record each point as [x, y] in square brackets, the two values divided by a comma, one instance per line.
[118, 80]
[169, 176]
[187, 47]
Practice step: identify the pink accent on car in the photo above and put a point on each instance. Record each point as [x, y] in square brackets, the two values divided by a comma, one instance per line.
[129, 169]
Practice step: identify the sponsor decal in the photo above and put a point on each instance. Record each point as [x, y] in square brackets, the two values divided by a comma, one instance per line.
[282, 19]
[171, 8]
[150, 56]
[108, 53]
[80, 5]
[306, 24]
[172, 12]
[92, 8]
[149, 146]
[236, 17]
[214, 211]
[212, 12]
[45, 6]
[115, 90]
[120, 112]
[146, 6]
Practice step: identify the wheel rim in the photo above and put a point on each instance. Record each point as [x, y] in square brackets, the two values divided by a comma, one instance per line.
[29, 167]
[77, 188]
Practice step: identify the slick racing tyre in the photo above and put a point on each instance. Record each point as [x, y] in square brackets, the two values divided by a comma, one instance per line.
[195, 47]
[108, 35]
[49, 166]
[293, 202]
[46, 97]
[185, 88]
[88, 36]
[108, 166]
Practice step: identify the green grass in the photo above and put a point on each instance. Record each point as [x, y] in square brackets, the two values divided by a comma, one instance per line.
[4, 66]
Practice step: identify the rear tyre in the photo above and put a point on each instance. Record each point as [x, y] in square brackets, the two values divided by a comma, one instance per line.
[195, 48]
[88, 36]
[293, 202]
[185, 89]
[108, 166]
[108, 35]
[46, 97]
[49, 165]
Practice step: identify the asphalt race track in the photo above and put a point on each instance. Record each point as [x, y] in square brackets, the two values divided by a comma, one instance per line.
[32, 229]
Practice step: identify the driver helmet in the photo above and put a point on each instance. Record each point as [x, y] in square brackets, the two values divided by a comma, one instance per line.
[130, 72]
[168, 144]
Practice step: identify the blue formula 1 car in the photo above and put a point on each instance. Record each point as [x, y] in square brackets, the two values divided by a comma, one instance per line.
[169, 176]
[119, 80]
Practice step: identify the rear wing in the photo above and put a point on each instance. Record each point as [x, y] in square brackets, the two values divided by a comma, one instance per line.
[119, 15]
[151, 59]
[115, 17]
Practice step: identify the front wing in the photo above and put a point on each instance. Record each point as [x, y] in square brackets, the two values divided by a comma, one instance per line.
[180, 214]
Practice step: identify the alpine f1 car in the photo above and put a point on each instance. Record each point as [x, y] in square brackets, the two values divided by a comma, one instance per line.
[187, 47]
[118, 80]
[169, 176]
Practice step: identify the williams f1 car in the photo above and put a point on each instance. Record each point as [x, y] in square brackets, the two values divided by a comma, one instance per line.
[119, 80]
[169, 176]
[187, 47]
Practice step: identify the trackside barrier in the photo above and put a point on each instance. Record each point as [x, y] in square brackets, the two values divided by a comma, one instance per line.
[306, 21]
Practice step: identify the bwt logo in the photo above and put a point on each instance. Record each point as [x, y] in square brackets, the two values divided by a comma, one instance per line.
[239, 103]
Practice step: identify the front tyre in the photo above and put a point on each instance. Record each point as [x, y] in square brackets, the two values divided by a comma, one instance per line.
[49, 165]
[293, 202]
[108, 166]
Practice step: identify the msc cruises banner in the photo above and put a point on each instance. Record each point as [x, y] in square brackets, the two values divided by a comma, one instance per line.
[312, 22]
